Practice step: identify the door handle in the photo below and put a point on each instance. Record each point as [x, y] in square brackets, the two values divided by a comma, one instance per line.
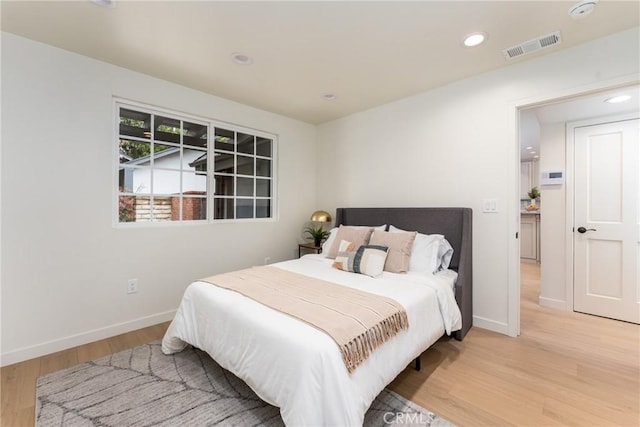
[584, 230]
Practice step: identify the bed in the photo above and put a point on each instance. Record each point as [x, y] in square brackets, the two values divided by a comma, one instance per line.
[297, 367]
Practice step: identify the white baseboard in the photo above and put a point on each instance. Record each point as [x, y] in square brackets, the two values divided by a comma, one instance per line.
[491, 325]
[64, 343]
[553, 303]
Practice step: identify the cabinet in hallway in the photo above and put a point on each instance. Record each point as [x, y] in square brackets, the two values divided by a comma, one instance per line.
[530, 236]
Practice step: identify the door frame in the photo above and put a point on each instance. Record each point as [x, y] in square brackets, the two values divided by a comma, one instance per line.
[570, 191]
[513, 204]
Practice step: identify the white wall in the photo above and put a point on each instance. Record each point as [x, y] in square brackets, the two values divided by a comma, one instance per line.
[455, 146]
[553, 218]
[64, 266]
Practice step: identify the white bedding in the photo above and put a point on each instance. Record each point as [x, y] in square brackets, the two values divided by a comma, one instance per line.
[297, 367]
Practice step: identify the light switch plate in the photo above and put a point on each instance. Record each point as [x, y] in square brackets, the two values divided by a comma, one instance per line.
[490, 206]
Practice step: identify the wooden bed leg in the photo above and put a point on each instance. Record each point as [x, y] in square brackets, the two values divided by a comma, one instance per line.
[417, 367]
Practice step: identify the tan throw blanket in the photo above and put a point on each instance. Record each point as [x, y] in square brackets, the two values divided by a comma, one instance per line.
[357, 321]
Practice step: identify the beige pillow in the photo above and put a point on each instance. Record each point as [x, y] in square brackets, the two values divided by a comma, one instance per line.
[357, 235]
[399, 245]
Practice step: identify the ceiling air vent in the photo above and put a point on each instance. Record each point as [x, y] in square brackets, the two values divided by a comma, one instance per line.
[532, 45]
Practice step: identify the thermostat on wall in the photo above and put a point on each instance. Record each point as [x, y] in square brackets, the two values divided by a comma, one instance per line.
[552, 178]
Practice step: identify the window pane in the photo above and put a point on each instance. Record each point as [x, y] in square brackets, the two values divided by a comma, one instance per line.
[223, 163]
[223, 208]
[125, 180]
[194, 208]
[143, 209]
[245, 186]
[263, 187]
[194, 183]
[167, 129]
[166, 156]
[224, 185]
[244, 208]
[194, 134]
[263, 147]
[224, 140]
[263, 167]
[245, 165]
[134, 152]
[166, 182]
[263, 208]
[135, 123]
[194, 160]
[140, 179]
[127, 208]
[166, 208]
[245, 143]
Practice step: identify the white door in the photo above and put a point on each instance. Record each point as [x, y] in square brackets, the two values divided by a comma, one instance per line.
[607, 220]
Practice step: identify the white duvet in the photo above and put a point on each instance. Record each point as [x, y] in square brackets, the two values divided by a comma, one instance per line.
[297, 367]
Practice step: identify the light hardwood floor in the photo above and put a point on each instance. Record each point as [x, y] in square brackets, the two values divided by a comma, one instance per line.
[18, 384]
[564, 369]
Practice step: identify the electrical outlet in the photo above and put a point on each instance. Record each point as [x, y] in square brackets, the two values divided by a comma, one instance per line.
[132, 286]
[267, 260]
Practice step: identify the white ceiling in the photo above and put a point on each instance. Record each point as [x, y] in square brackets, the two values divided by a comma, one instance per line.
[574, 109]
[590, 105]
[366, 53]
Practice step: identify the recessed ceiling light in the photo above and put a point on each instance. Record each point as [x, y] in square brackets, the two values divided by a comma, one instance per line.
[104, 3]
[241, 58]
[619, 98]
[328, 96]
[474, 39]
[532, 152]
[529, 148]
[536, 157]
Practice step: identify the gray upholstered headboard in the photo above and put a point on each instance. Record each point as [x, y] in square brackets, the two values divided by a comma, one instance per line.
[454, 223]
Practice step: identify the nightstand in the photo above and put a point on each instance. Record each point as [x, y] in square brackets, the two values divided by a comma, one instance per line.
[310, 246]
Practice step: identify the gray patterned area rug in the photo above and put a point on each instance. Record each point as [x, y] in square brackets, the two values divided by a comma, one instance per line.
[144, 387]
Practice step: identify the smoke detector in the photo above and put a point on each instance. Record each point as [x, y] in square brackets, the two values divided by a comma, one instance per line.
[582, 9]
[531, 46]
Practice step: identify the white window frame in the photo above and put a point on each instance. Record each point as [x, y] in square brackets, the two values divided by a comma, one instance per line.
[211, 124]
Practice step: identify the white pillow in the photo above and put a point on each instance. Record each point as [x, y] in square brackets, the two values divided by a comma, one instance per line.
[428, 252]
[326, 246]
[327, 243]
[445, 253]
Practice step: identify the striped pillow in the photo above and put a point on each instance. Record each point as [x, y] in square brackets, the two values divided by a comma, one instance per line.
[364, 259]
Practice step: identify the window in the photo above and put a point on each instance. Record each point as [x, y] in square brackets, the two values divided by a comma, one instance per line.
[242, 164]
[164, 172]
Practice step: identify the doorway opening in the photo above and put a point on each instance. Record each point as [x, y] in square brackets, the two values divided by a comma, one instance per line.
[545, 230]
